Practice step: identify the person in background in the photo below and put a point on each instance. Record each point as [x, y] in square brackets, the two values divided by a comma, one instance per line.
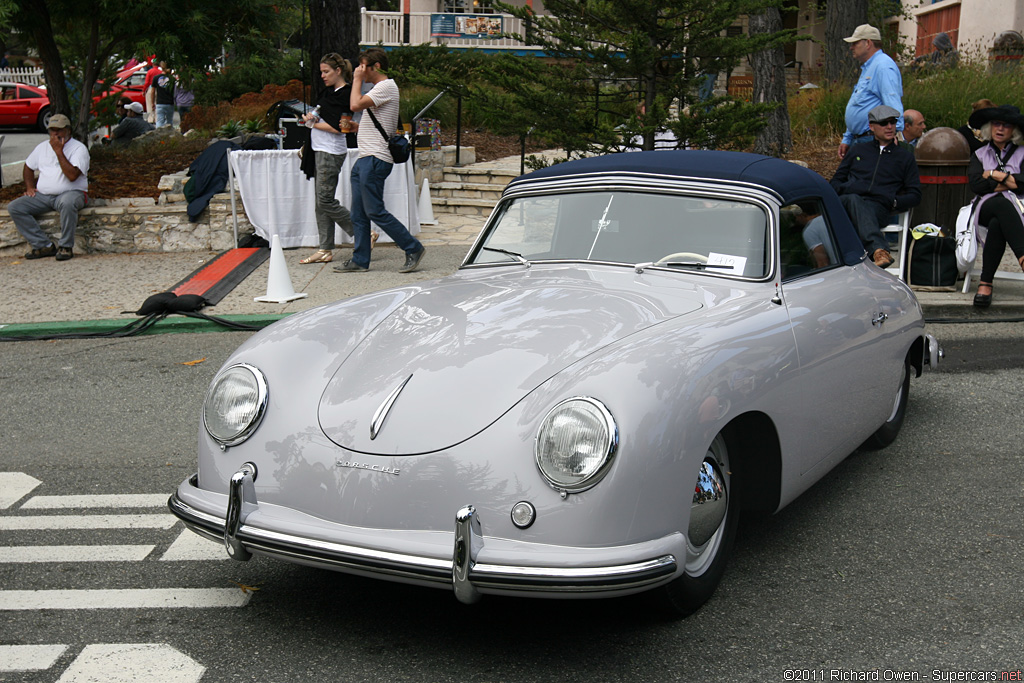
[971, 135]
[132, 125]
[375, 164]
[994, 174]
[183, 99]
[880, 82]
[815, 234]
[330, 149]
[63, 166]
[149, 92]
[913, 127]
[163, 85]
[877, 179]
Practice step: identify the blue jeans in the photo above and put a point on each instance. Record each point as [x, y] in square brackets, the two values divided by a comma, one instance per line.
[368, 176]
[24, 210]
[164, 115]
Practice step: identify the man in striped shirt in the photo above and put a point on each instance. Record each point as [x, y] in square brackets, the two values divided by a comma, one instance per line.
[375, 164]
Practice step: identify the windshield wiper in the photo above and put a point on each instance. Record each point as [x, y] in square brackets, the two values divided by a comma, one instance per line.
[696, 265]
[512, 254]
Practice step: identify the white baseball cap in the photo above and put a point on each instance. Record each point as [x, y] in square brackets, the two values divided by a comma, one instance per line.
[135, 107]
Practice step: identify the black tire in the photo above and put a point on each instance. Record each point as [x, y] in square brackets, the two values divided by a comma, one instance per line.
[44, 118]
[704, 566]
[888, 432]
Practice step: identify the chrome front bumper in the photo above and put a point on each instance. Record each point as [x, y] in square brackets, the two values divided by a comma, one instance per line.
[467, 577]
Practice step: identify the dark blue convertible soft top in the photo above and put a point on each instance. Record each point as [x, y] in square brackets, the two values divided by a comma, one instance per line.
[791, 182]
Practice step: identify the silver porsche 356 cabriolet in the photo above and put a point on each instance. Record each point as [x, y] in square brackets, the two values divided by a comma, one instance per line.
[636, 348]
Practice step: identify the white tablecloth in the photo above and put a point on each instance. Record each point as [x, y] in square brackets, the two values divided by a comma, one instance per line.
[278, 198]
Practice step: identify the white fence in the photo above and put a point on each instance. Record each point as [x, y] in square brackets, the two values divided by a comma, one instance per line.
[29, 75]
[388, 28]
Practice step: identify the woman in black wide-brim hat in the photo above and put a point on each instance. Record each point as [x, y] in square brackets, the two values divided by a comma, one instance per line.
[995, 176]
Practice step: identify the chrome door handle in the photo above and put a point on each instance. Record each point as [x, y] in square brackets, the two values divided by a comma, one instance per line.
[879, 319]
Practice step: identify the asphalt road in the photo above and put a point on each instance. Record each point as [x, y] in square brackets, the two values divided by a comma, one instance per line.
[17, 144]
[904, 561]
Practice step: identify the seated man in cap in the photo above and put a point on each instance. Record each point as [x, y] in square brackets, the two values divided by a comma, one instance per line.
[877, 179]
[63, 166]
[132, 126]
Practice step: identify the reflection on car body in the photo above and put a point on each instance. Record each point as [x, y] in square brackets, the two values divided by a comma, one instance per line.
[634, 350]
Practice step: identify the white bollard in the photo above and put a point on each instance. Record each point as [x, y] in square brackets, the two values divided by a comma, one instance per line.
[279, 283]
[426, 209]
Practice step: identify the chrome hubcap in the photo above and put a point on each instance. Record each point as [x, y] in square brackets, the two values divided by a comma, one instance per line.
[709, 509]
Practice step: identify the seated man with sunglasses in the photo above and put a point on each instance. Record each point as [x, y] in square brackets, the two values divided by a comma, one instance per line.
[877, 179]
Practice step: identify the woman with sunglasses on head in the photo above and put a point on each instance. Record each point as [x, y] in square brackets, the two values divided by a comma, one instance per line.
[332, 125]
[994, 174]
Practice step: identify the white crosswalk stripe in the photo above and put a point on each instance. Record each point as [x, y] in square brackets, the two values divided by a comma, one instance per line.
[132, 662]
[137, 500]
[191, 546]
[14, 486]
[74, 553]
[125, 598]
[29, 657]
[49, 522]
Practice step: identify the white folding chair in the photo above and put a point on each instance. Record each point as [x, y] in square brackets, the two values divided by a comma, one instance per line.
[902, 228]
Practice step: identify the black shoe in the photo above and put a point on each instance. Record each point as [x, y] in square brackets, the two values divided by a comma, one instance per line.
[412, 261]
[42, 252]
[983, 300]
[64, 253]
[350, 267]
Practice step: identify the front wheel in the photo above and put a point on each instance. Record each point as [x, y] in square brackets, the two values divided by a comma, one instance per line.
[714, 513]
[44, 119]
[888, 432]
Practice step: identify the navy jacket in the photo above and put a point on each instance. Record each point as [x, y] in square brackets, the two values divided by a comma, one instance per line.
[887, 175]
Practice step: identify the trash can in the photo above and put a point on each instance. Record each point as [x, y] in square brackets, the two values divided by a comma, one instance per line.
[942, 158]
[1006, 52]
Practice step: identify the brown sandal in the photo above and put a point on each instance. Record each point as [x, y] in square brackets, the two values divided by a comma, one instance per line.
[374, 236]
[321, 256]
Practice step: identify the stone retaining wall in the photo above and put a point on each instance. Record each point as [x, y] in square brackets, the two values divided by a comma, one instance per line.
[144, 224]
[141, 224]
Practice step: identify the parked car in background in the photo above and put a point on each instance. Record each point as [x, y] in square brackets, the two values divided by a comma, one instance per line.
[637, 348]
[24, 105]
[128, 83]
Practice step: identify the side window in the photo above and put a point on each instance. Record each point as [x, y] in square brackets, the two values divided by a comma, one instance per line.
[806, 243]
[7, 92]
[27, 94]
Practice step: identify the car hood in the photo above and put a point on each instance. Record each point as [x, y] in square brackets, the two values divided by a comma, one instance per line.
[452, 358]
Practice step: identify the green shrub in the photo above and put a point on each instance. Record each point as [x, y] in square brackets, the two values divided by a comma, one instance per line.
[945, 97]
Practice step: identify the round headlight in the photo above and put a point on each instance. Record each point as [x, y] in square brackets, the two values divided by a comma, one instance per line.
[576, 443]
[235, 404]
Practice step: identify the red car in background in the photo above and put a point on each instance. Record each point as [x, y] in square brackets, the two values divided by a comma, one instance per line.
[128, 83]
[29, 105]
[24, 105]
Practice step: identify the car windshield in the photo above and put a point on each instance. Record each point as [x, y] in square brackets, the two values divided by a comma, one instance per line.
[674, 231]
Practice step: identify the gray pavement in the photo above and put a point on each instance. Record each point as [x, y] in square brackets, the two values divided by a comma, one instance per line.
[109, 287]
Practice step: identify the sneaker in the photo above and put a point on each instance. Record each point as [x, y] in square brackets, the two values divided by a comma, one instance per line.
[350, 267]
[64, 253]
[882, 258]
[42, 252]
[412, 261]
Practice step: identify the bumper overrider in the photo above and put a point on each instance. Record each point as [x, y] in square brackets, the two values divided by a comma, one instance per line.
[468, 578]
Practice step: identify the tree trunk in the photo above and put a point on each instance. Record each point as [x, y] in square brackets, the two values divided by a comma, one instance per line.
[334, 26]
[841, 18]
[53, 67]
[770, 86]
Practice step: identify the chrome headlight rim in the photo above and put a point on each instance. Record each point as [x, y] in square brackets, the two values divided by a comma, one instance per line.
[609, 450]
[262, 400]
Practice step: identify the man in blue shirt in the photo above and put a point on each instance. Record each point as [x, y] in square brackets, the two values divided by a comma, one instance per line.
[880, 82]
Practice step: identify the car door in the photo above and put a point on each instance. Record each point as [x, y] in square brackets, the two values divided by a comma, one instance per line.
[9, 114]
[834, 312]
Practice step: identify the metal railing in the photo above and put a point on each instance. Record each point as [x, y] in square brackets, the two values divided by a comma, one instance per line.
[396, 28]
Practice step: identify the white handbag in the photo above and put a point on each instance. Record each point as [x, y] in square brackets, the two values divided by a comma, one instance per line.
[966, 240]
